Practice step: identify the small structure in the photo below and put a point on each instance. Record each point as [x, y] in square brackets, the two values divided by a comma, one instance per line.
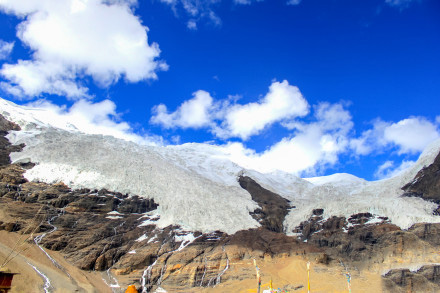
[6, 281]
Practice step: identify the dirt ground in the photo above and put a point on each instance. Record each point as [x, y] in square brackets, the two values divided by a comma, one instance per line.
[291, 273]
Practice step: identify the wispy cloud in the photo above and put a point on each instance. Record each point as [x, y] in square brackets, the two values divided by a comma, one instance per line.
[293, 2]
[5, 49]
[389, 169]
[195, 11]
[400, 3]
[73, 39]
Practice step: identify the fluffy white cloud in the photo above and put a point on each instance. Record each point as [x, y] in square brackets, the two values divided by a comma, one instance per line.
[91, 118]
[314, 146]
[30, 78]
[193, 113]
[76, 38]
[409, 135]
[283, 101]
[5, 49]
[388, 169]
[228, 119]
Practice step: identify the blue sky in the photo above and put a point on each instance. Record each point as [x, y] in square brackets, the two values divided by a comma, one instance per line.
[311, 87]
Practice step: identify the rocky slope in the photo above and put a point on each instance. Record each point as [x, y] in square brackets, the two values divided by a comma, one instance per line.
[115, 233]
[426, 184]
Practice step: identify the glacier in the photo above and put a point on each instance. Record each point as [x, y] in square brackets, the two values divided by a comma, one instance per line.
[195, 184]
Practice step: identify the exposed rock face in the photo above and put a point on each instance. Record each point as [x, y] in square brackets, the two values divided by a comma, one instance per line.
[426, 184]
[274, 208]
[424, 279]
[5, 147]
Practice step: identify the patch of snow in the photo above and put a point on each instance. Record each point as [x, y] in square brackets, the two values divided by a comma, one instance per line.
[152, 239]
[149, 221]
[114, 217]
[132, 252]
[185, 239]
[114, 213]
[375, 220]
[142, 238]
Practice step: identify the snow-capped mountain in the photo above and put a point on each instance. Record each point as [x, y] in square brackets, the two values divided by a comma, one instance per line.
[196, 185]
[188, 218]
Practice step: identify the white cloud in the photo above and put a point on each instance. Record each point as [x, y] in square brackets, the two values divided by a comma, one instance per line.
[5, 49]
[314, 146]
[192, 25]
[388, 169]
[76, 38]
[30, 78]
[193, 113]
[293, 2]
[228, 119]
[283, 101]
[409, 136]
[90, 118]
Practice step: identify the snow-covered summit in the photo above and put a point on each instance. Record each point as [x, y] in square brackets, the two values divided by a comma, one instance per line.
[342, 178]
[196, 185]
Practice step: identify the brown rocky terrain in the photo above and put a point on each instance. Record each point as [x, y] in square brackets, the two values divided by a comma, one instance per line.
[96, 239]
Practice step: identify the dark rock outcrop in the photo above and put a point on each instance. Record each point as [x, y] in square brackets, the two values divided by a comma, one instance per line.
[426, 184]
[274, 208]
[5, 146]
